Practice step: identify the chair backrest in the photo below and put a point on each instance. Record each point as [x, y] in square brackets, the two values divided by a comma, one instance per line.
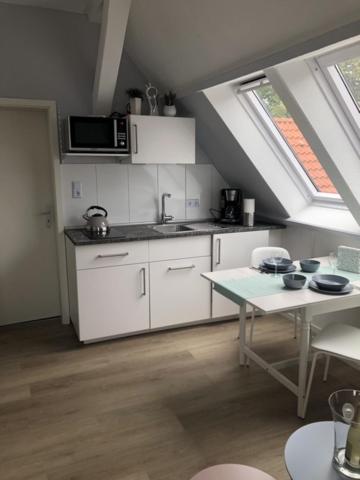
[260, 253]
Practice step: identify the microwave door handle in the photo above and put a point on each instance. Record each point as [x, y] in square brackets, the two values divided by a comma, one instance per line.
[115, 133]
[136, 146]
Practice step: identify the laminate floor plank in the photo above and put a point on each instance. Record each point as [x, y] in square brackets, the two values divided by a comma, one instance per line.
[150, 407]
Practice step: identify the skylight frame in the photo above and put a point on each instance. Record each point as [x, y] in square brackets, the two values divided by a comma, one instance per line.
[328, 66]
[285, 152]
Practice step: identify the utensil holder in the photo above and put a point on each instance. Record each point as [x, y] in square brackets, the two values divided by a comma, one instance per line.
[344, 405]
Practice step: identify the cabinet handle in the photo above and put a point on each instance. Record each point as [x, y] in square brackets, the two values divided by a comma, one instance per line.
[188, 267]
[218, 260]
[136, 150]
[110, 255]
[143, 271]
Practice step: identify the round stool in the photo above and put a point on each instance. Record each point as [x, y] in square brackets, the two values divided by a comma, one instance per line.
[232, 472]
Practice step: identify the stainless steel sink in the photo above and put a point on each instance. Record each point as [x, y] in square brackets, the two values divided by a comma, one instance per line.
[171, 228]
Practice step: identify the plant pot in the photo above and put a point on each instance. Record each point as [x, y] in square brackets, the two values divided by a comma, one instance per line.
[135, 105]
[169, 110]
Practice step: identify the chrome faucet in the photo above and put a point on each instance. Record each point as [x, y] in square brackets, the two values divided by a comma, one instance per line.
[165, 218]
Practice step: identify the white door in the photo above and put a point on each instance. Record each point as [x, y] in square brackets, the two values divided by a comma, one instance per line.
[233, 250]
[113, 301]
[162, 139]
[178, 292]
[29, 287]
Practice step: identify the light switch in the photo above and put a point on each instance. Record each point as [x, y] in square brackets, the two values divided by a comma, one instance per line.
[76, 188]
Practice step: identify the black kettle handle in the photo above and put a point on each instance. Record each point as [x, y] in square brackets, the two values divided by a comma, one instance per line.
[97, 207]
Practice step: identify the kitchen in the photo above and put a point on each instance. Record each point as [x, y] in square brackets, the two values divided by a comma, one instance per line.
[146, 184]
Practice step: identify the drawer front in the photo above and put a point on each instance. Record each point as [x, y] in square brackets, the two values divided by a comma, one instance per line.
[178, 293]
[181, 247]
[110, 255]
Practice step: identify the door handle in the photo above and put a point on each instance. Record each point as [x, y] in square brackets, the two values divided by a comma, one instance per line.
[218, 259]
[47, 214]
[187, 267]
[136, 150]
[143, 271]
[110, 255]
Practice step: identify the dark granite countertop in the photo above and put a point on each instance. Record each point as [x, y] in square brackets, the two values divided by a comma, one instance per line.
[129, 233]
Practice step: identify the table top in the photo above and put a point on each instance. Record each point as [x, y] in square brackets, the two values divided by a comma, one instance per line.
[309, 452]
[285, 299]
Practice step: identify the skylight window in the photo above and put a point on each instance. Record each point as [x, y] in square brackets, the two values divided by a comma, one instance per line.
[350, 75]
[300, 150]
[342, 70]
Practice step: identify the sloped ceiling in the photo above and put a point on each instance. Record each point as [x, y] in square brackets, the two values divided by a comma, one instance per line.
[183, 43]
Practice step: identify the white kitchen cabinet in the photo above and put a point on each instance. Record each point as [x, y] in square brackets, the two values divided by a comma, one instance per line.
[113, 301]
[233, 250]
[162, 139]
[178, 293]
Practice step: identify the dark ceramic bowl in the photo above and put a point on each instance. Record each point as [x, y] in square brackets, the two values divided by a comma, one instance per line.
[278, 263]
[310, 266]
[330, 282]
[294, 281]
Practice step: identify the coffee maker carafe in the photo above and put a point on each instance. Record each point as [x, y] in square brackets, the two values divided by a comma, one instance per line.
[231, 205]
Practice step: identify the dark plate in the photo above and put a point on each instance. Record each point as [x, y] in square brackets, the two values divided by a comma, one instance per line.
[330, 282]
[347, 289]
[264, 268]
[278, 262]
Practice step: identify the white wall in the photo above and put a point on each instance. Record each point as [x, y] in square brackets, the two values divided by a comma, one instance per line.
[51, 55]
[132, 193]
[47, 55]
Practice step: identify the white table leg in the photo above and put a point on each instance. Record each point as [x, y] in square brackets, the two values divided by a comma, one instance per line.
[242, 332]
[305, 328]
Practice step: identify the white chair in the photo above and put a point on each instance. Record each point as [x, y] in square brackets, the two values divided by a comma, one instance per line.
[257, 256]
[336, 340]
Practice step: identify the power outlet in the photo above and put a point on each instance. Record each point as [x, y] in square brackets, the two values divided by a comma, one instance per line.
[76, 189]
[193, 202]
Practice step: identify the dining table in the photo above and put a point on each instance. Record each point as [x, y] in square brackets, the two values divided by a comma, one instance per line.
[268, 295]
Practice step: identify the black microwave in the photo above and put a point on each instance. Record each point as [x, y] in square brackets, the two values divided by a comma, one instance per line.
[97, 134]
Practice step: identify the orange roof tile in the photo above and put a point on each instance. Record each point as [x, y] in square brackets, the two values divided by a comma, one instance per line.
[305, 154]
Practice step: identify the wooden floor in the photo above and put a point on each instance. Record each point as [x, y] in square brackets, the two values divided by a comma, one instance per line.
[153, 407]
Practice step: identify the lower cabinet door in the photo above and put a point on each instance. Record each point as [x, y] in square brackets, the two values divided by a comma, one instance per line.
[233, 250]
[113, 301]
[178, 292]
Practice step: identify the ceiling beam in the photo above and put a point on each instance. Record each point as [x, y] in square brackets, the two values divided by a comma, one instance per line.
[112, 35]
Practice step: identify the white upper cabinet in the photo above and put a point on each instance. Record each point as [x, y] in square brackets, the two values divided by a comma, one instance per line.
[162, 140]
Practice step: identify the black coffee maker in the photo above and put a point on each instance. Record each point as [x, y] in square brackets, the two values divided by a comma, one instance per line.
[231, 201]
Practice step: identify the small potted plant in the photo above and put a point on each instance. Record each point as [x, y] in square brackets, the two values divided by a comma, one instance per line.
[169, 107]
[136, 98]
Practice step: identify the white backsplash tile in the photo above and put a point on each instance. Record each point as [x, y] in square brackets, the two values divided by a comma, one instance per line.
[74, 208]
[113, 191]
[217, 183]
[132, 193]
[172, 180]
[143, 193]
[198, 186]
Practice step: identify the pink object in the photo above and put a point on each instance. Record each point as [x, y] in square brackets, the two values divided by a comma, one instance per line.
[232, 472]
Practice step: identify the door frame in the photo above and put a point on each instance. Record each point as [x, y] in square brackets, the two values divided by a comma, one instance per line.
[49, 107]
